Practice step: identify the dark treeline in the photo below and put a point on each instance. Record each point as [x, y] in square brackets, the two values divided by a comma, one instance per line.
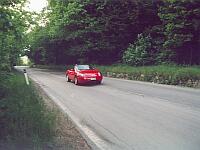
[136, 32]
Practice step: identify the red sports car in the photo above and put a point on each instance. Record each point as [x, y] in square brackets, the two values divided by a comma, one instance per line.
[83, 74]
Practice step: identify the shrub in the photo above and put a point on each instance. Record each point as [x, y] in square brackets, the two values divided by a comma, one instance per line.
[139, 53]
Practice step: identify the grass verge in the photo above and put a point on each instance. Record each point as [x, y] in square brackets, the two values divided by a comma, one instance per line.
[172, 75]
[24, 120]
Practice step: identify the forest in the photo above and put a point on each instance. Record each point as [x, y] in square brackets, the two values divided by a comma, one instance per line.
[133, 32]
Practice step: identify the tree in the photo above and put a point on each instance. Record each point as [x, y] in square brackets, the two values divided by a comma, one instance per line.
[139, 53]
[12, 28]
[181, 24]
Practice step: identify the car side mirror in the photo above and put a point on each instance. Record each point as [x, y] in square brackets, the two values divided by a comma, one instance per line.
[71, 69]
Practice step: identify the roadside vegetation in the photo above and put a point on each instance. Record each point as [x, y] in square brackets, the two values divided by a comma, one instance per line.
[25, 122]
[162, 74]
[30, 120]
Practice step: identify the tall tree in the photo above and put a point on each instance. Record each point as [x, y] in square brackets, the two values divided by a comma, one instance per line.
[12, 31]
[181, 24]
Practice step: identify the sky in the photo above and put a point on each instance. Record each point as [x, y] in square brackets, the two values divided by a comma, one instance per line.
[36, 5]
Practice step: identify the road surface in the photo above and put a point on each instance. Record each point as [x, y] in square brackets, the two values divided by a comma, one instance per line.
[128, 115]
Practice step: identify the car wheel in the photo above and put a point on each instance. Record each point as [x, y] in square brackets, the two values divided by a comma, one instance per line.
[99, 82]
[75, 81]
[67, 78]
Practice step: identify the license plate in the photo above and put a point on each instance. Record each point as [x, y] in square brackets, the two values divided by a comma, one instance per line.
[93, 79]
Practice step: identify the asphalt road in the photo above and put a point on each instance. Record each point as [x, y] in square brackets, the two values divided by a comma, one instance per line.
[128, 115]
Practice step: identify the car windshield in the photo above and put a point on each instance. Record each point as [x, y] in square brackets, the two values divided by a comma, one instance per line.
[84, 67]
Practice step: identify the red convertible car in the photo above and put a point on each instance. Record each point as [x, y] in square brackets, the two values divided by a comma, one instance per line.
[83, 74]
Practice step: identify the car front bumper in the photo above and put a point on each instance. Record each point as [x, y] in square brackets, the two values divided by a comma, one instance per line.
[89, 79]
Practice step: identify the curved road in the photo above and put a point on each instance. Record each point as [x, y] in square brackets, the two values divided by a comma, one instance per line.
[128, 115]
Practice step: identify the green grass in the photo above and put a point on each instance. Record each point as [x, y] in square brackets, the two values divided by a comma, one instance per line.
[23, 115]
[163, 74]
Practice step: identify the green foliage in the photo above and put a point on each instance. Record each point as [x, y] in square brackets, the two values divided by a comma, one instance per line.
[6, 3]
[139, 53]
[91, 31]
[23, 115]
[13, 24]
[176, 38]
[181, 24]
[164, 56]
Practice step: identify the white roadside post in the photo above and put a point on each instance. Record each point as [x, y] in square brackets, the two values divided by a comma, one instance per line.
[26, 77]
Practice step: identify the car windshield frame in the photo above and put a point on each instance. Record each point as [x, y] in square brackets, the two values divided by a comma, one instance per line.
[84, 67]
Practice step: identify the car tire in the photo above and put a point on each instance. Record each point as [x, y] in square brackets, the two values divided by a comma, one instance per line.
[67, 78]
[76, 81]
[99, 82]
